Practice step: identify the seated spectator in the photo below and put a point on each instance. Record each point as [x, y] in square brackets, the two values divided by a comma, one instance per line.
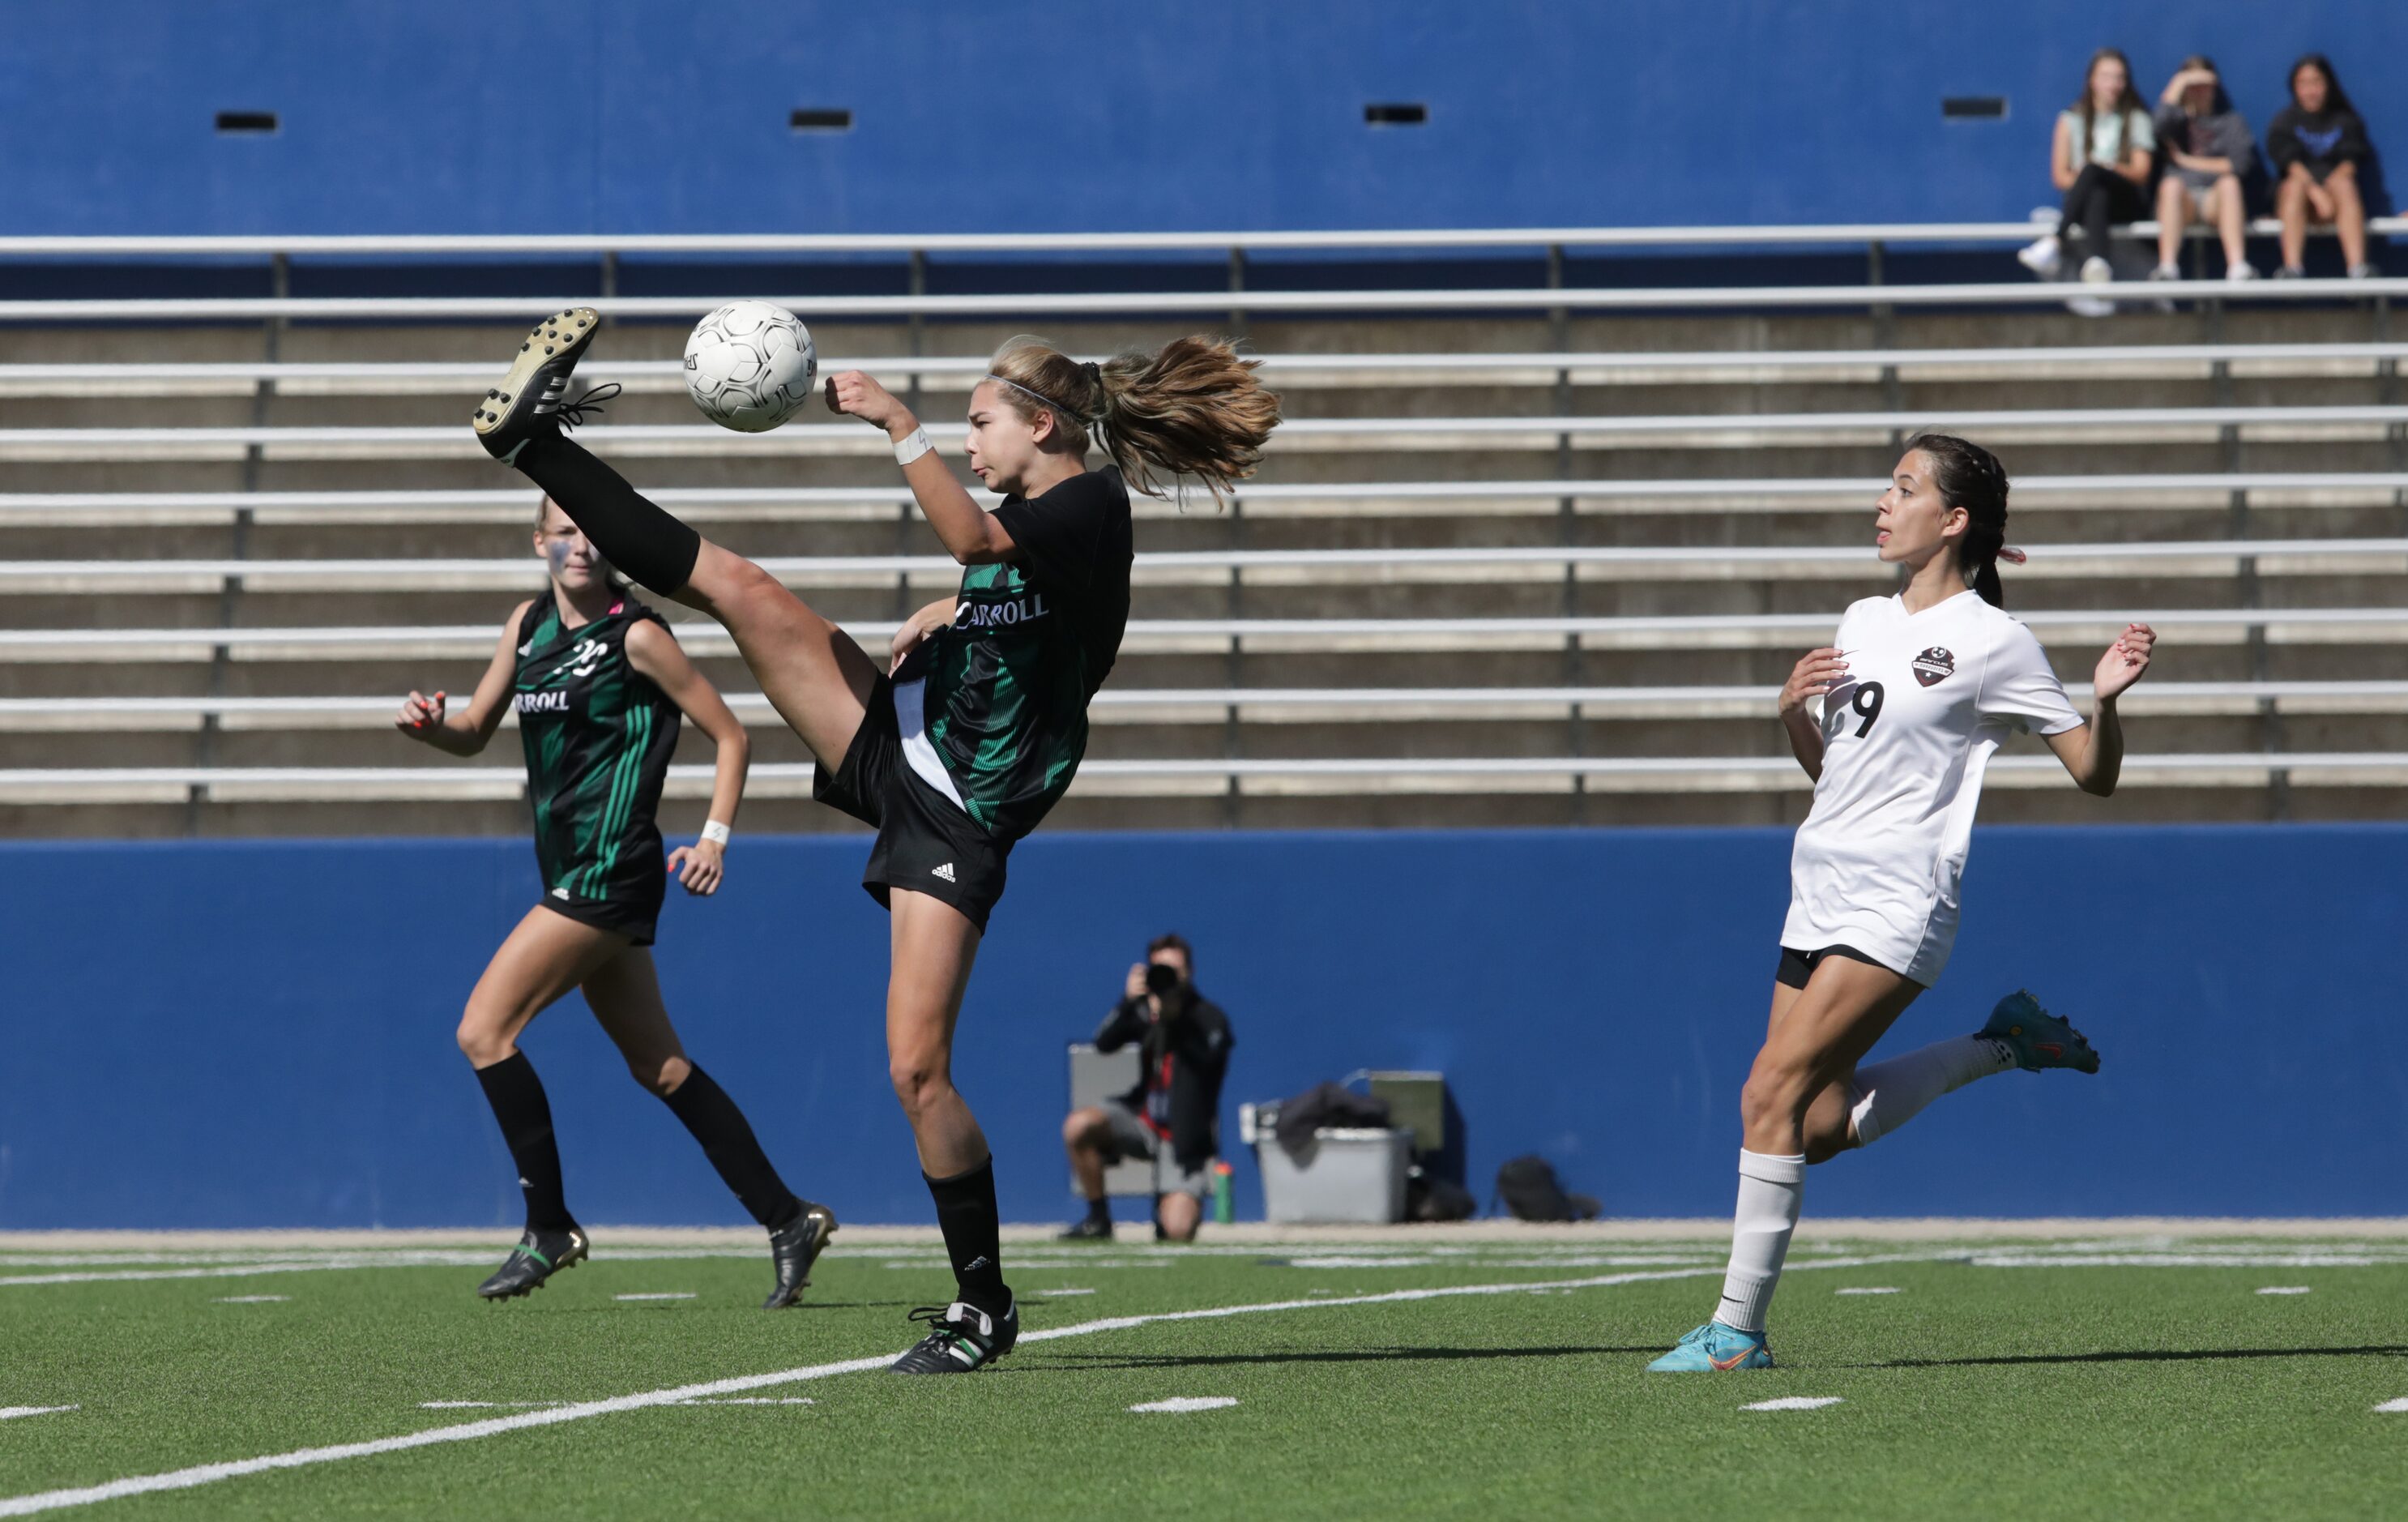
[2100, 160]
[2317, 143]
[1171, 1117]
[2208, 148]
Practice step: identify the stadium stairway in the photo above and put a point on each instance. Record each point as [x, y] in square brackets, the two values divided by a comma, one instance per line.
[1621, 581]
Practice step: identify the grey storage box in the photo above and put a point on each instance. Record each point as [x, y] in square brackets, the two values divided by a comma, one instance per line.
[1352, 1176]
[1095, 1077]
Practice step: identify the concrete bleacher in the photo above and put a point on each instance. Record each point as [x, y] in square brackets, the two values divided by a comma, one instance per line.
[1503, 567]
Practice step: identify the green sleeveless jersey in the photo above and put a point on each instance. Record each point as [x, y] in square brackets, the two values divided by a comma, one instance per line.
[599, 735]
[1005, 687]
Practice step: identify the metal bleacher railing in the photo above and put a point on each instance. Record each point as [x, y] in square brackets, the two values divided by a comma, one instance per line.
[2253, 557]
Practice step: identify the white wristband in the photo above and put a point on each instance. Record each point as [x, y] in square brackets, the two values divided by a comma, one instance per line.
[914, 445]
[715, 832]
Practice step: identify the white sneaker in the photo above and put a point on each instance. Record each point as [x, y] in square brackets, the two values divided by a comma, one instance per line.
[2090, 307]
[2361, 272]
[2043, 256]
[2097, 271]
[2241, 271]
[2165, 272]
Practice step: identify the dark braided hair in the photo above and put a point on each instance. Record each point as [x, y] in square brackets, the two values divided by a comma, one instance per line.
[1967, 476]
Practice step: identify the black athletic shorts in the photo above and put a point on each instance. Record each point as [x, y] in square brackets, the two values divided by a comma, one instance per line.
[926, 842]
[634, 918]
[1798, 966]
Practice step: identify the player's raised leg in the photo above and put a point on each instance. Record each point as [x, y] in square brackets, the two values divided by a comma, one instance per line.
[625, 997]
[935, 946]
[1883, 1096]
[543, 958]
[812, 672]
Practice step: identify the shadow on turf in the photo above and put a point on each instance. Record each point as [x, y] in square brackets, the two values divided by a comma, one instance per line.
[2141, 1355]
[1363, 1355]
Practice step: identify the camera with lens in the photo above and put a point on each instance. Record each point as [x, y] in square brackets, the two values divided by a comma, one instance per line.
[1160, 978]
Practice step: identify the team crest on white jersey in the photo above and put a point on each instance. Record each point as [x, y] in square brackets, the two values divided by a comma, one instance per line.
[1934, 665]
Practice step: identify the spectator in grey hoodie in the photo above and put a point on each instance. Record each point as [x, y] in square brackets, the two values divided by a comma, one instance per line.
[2207, 149]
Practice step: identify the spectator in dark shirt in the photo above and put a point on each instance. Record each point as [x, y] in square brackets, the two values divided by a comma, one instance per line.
[1172, 1116]
[2317, 143]
[2207, 149]
[2100, 158]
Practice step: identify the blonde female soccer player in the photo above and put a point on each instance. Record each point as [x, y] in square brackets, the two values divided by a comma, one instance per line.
[957, 744]
[1917, 691]
[599, 684]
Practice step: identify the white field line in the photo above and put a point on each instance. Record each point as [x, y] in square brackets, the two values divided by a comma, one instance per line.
[1885, 1289]
[659, 1295]
[1180, 1405]
[2400, 1405]
[9, 1414]
[2284, 1289]
[2176, 1260]
[1794, 1402]
[253, 1299]
[185, 1479]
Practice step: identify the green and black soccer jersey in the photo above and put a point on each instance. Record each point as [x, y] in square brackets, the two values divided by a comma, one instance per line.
[1004, 690]
[598, 735]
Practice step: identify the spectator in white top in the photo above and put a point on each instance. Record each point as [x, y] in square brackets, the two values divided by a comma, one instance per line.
[2208, 148]
[2100, 160]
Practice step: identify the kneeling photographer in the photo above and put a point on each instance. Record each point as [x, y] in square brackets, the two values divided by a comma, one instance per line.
[1171, 1117]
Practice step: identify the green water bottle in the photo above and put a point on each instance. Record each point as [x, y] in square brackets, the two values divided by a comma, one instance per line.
[1224, 1203]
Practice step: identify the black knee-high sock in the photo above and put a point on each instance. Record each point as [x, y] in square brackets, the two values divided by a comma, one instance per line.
[517, 1097]
[633, 532]
[729, 1142]
[973, 1228]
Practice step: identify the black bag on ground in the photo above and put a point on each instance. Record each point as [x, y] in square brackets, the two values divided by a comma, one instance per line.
[1429, 1197]
[1530, 1190]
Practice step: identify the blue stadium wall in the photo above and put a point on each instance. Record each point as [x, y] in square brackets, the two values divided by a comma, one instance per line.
[260, 1034]
[665, 116]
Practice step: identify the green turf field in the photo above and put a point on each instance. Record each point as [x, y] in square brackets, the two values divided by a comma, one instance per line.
[1498, 1378]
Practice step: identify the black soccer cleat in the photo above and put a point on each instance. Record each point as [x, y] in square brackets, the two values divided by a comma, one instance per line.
[964, 1340]
[794, 1248]
[538, 1256]
[533, 397]
[1089, 1229]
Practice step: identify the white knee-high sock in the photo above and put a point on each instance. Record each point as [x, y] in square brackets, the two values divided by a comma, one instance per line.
[1888, 1094]
[1769, 1190]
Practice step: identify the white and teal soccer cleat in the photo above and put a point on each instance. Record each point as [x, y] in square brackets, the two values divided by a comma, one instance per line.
[1714, 1349]
[2037, 1039]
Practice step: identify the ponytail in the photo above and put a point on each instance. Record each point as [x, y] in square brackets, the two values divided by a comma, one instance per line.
[1969, 476]
[1192, 408]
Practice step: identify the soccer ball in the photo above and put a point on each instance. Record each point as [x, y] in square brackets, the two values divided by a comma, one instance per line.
[750, 366]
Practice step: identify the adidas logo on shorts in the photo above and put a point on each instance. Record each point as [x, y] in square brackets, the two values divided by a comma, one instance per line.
[946, 872]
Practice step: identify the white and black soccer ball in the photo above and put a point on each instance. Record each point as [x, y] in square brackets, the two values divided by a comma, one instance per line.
[750, 366]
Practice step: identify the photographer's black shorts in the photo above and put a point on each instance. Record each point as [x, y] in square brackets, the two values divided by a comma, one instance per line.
[926, 842]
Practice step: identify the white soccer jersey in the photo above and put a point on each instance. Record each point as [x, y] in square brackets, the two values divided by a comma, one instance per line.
[1906, 735]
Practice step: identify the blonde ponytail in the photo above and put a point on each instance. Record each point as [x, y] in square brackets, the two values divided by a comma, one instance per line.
[1192, 408]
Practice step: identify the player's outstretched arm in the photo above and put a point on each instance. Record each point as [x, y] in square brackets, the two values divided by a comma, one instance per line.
[426, 719]
[654, 653]
[970, 537]
[917, 628]
[1813, 677]
[2093, 753]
